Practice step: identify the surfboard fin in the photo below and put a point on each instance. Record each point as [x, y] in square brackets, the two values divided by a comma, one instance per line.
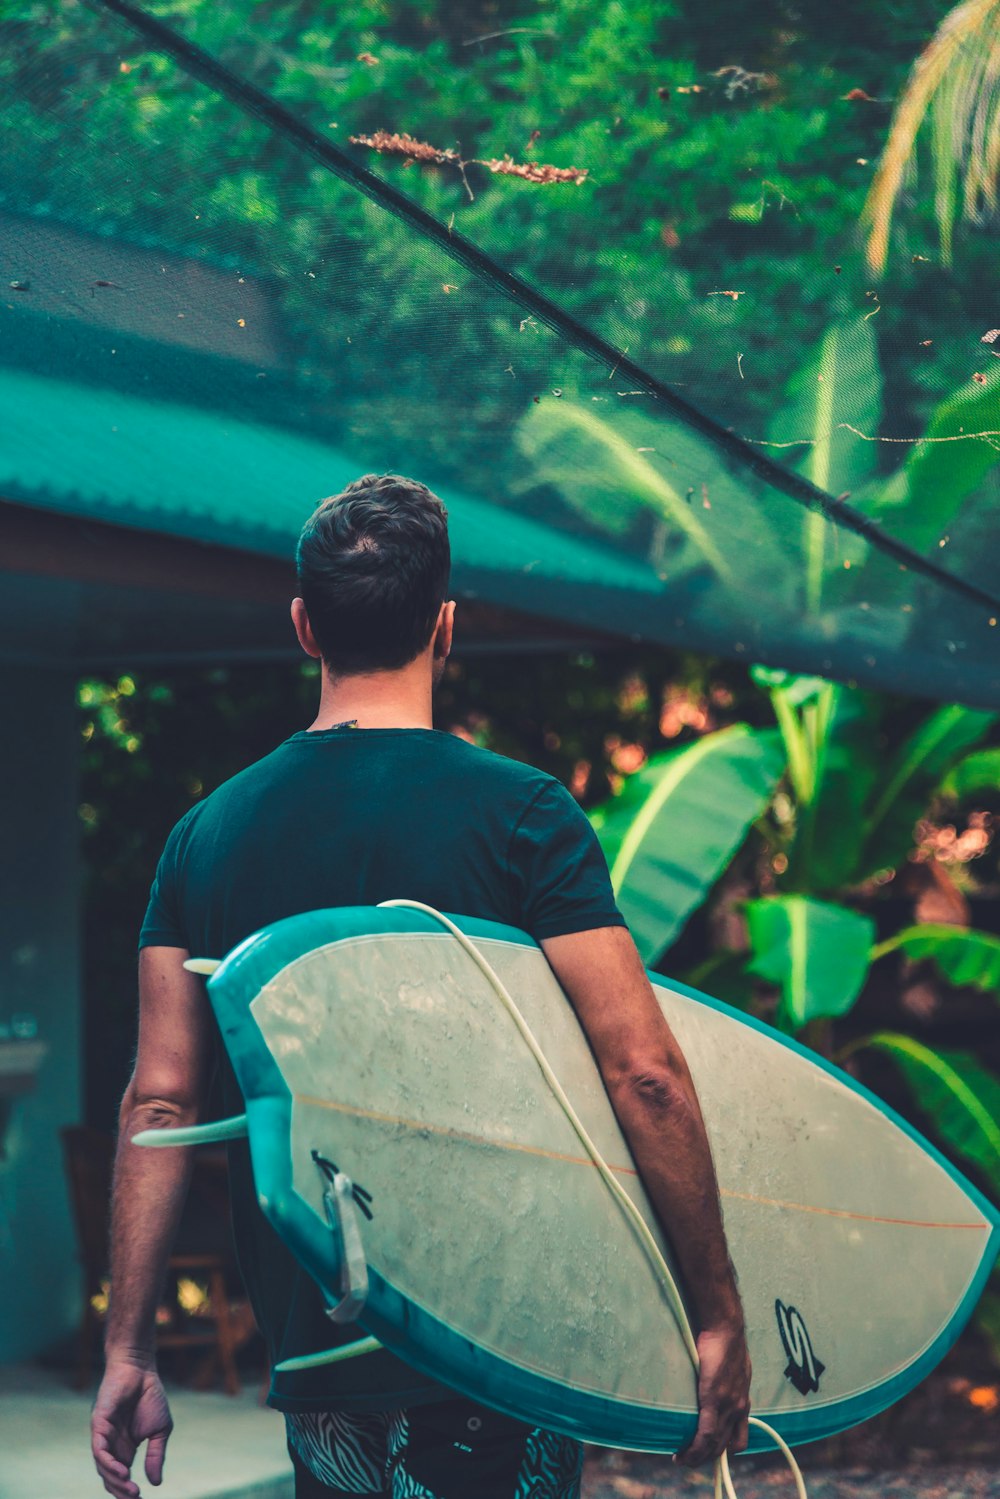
[328, 1356]
[342, 1216]
[195, 1134]
[205, 966]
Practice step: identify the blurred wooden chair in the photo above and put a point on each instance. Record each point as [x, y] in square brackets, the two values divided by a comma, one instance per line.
[88, 1156]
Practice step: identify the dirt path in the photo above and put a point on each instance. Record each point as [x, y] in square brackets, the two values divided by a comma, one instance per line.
[619, 1475]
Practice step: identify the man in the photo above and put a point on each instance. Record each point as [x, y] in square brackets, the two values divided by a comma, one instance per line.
[367, 804]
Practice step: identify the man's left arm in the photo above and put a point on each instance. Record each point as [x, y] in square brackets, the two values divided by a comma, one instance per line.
[167, 1089]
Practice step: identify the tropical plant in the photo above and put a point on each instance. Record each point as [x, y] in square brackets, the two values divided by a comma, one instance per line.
[839, 820]
[678, 822]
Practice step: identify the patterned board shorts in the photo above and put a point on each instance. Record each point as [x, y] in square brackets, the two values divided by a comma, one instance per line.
[450, 1450]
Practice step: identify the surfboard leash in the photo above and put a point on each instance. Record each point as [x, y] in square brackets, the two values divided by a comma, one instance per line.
[723, 1477]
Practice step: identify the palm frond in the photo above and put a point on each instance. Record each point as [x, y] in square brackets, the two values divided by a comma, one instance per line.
[955, 81]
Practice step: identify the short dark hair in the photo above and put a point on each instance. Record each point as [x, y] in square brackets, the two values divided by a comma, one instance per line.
[373, 565]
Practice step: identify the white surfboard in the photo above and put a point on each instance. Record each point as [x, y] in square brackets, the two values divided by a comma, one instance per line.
[498, 1260]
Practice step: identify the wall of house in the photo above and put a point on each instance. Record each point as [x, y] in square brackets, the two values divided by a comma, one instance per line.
[39, 976]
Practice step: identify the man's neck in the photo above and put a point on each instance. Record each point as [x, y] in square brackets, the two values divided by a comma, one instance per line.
[379, 700]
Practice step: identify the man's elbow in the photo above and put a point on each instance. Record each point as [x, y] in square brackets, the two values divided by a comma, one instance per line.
[161, 1106]
[652, 1087]
[655, 1087]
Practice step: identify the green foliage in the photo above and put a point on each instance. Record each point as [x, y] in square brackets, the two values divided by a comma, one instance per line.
[920, 502]
[988, 1316]
[852, 763]
[833, 397]
[962, 956]
[677, 823]
[958, 1093]
[918, 767]
[682, 184]
[817, 952]
[617, 481]
[977, 773]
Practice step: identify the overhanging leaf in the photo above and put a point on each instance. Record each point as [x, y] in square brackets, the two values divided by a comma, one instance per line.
[961, 1097]
[819, 953]
[677, 823]
[964, 957]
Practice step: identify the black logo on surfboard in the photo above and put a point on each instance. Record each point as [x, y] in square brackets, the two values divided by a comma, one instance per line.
[803, 1368]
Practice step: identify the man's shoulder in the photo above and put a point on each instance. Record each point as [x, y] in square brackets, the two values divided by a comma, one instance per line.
[501, 771]
[244, 785]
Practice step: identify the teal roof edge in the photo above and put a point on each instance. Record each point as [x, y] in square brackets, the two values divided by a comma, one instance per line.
[167, 468]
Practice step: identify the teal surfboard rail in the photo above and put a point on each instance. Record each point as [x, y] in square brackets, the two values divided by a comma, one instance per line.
[412, 1332]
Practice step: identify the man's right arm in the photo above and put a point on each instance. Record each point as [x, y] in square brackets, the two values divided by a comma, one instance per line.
[652, 1093]
[167, 1089]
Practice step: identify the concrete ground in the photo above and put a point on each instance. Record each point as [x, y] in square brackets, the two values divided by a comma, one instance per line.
[222, 1447]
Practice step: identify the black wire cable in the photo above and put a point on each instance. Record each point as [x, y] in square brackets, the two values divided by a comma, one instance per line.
[203, 66]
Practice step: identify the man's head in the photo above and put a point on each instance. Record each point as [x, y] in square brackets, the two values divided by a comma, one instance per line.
[373, 566]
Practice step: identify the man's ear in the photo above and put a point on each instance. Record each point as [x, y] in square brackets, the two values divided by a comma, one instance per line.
[303, 629]
[443, 631]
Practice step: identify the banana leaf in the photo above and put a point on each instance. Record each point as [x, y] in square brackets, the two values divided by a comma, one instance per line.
[819, 953]
[839, 388]
[559, 437]
[677, 823]
[797, 691]
[963, 957]
[976, 773]
[918, 503]
[958, 1094]
[847, 775]
[940, 741]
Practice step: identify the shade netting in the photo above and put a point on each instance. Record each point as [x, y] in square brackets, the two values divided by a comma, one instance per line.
[217, 309]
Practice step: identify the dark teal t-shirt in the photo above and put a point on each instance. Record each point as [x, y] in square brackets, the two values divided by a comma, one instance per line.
[349, 817]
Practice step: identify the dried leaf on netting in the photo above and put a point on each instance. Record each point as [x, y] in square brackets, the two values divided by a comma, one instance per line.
[741, 81]
[979, 379]
[990, 337]
[395, 144]
[533, 171]
[368, 59]
[689, 88]
[858, 96]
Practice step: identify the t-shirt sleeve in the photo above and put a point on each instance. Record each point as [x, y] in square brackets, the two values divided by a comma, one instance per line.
[561, 880]
[162, 925]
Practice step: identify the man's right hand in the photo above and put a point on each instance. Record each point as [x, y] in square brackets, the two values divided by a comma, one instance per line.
[723, 1396]
[131, 1408]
